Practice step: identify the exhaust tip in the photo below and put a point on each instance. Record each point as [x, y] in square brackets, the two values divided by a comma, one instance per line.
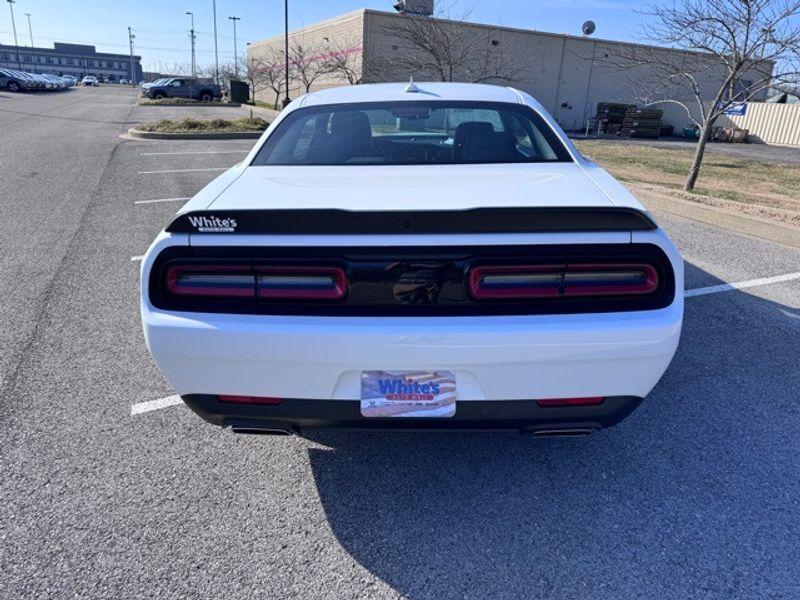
[561, 433]
[261, 431]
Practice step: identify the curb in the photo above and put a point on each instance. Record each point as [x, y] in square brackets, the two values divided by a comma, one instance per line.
[193, 104]
[753, 226]
[221, 135]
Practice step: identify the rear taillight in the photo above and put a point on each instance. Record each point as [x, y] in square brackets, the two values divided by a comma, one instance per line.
[264, 400]
[301, 283]
[211, 281]
[566, 281]
[283, 282]
[561, 402]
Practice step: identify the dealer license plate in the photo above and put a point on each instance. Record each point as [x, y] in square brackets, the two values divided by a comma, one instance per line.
[408, 393]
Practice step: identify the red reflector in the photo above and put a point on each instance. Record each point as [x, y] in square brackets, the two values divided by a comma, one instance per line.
[287, 282]
[250, 400]
[217, 281]
[554, 402]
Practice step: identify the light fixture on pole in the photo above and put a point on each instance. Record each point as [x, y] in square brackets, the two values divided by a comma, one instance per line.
[286, 99]
[14, 27]
[235, 49]
[216, 51]
[192, 37]
[33, 49]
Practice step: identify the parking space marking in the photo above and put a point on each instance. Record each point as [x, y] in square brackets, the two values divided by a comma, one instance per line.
[143, 407]
[137, 258]
[199, 152]
[162, 200]
[740, 285]
[183, 170]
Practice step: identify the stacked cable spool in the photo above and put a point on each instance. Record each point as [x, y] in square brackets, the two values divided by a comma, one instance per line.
[642, 123]
[611, 115]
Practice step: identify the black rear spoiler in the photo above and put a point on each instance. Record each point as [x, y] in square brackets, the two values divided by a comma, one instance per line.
[477, 220]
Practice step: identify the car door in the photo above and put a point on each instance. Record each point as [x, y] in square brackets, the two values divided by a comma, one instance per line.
[178, 88]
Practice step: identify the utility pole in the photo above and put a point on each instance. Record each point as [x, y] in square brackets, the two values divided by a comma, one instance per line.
[235, 49]
[33, 50]
[14, 27]
[216, 51]
[286, 98]
[133, 68]
[193, 37]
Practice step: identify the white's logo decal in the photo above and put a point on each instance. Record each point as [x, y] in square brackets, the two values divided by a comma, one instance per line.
[212, 224]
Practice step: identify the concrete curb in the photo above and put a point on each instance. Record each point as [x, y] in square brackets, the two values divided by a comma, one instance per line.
[753, 226]
[222, 135]
[192, 104]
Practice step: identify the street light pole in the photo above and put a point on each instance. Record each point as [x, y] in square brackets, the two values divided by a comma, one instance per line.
[133, 68]
[216, 51]
[192, 37]
[235, 49]
[286, 99]
[33, 50]
[14, 27]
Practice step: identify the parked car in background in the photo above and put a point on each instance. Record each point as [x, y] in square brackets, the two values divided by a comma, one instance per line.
[14, 81]
[70, 79]
[180, 87]
[90, 80]
[123, 81]
[148, 84]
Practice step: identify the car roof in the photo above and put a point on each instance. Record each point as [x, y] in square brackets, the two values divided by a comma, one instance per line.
[391, 92]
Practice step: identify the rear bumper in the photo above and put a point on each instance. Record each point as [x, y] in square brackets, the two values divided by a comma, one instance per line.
[298, 416]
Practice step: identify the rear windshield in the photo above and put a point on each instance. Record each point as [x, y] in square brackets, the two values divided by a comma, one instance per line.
[406, 133]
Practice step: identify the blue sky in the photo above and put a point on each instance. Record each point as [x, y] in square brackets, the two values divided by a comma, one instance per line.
[161, 25]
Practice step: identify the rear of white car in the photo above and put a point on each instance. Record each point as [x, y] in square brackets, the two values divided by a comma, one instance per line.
[390, 258]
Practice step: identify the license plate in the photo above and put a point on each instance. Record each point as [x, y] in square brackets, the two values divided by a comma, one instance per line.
[408, 394]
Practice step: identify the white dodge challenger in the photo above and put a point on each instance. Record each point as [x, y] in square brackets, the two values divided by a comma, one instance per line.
[413, 256]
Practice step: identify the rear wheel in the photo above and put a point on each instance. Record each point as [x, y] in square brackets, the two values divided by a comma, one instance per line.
[206, 96]
[13, 86]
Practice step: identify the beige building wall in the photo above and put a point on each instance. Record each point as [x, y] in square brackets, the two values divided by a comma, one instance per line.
[569, 75]
[344, 33]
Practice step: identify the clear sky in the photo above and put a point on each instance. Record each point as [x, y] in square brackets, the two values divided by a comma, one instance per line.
[161, 26]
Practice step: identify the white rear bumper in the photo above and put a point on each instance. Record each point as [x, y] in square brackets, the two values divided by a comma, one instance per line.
[494, 358]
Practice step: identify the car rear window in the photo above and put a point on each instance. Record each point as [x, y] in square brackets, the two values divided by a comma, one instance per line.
[412, 133]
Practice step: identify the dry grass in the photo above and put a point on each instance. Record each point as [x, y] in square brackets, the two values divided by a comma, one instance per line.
[210, 126]
[748, 182]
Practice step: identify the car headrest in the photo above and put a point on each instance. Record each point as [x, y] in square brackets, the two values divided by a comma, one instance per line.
[352, 123]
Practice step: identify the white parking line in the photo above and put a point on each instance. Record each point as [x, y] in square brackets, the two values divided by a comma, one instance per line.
[162, 200]
[183, 170]
[143, 407]
[728, 287]
[137, 258]
[204, 152]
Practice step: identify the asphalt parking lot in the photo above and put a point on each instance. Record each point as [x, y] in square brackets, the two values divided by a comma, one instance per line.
[108, 494]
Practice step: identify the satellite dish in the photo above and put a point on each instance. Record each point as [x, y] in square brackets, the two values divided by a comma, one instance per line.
[588, 28]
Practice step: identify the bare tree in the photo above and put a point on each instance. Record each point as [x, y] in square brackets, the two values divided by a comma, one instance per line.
[266, 71]
[346, 58]
[743, 47]
[449, 49]
[308, 63]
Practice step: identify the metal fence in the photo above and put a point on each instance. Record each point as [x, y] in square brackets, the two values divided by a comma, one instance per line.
[767, 123]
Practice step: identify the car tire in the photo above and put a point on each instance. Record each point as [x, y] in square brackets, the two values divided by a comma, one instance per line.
[13, 86]
[158, 96]
[206, 97]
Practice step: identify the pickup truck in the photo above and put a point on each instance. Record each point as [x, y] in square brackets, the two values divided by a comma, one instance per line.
[184, 88]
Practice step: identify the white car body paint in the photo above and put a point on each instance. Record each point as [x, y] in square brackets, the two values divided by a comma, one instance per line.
[493, 357]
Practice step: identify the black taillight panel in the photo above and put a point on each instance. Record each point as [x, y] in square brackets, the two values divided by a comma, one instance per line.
[413, 281]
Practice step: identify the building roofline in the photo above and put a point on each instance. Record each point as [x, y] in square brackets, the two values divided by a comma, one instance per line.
[312, 27]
